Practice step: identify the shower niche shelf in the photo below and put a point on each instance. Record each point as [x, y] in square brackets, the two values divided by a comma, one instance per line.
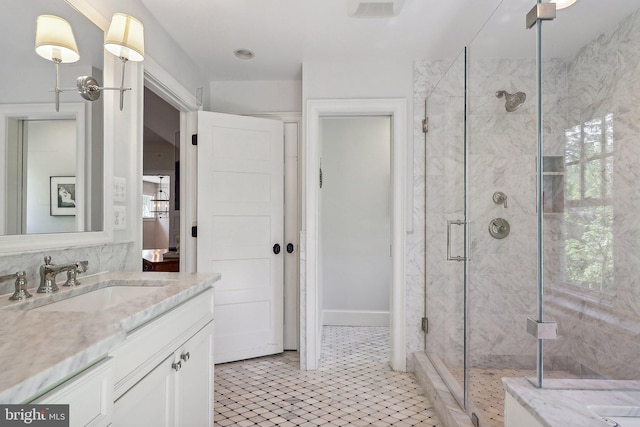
[553, 184]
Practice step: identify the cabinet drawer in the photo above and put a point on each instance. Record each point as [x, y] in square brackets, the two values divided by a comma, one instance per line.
[149, 345]
[88, 394]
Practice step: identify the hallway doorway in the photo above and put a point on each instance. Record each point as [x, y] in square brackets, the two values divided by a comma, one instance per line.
[312, 264]
[161, 181]
[355, 221]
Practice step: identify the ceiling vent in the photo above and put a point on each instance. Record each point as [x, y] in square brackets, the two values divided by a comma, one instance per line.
[374, 8]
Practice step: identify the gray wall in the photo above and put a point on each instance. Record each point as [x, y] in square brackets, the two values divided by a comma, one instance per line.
[355, 218]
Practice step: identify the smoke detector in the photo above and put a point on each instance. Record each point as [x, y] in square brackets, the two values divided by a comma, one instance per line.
[374, 8]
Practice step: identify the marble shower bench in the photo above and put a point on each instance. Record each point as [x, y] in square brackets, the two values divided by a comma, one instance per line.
[572, 402]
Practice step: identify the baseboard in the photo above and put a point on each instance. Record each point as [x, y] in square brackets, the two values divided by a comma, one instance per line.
[355, 318]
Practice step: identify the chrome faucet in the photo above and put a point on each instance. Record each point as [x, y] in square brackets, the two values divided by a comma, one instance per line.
[48, 273]
[21, 291]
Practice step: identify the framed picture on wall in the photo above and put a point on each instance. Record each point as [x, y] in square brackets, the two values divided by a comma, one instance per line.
[63, 195]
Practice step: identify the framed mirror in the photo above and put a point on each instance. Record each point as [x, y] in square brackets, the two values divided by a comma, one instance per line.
[40, 145]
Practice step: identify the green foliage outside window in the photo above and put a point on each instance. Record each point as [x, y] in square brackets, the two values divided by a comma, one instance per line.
[588, 218]
[589, 247]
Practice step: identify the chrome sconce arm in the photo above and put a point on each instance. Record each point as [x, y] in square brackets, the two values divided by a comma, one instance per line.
[90, 89]
[57, 89]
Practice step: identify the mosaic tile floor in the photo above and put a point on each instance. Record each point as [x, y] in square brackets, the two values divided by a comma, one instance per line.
[487, 393]
[353, 387]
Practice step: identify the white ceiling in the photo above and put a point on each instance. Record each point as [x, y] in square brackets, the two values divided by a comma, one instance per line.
[285, 33]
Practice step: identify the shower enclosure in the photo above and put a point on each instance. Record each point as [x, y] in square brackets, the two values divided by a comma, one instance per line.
[532, 202]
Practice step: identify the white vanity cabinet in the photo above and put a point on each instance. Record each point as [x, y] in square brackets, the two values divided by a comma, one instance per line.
[88, 394]
[194, 380]
[164, 370]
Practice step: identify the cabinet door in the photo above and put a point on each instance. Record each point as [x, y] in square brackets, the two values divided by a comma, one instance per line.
[150, 401]
[89, 396]
[194, 381]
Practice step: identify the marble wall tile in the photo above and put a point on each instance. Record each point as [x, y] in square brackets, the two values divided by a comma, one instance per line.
[111, 257]
[500, 157]
[626, 128]
[303, 300]
[521, 67]
[601, 78]
[500, 334]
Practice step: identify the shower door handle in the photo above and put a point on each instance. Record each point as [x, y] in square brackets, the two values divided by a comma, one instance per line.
[449, 224]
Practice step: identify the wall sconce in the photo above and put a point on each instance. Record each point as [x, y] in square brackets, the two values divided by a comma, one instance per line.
[55, 42]
[562, 4]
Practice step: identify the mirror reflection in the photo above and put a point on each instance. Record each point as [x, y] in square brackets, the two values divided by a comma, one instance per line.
[52, 179]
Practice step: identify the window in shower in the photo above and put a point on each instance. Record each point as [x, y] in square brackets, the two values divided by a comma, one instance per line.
[588, 217]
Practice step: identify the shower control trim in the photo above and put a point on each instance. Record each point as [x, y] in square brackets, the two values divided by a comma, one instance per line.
[499, 198]
[499, 228]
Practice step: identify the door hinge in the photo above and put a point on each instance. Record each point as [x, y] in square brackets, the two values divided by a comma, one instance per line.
[475, 420]
[425, 121]
[541, 12]
[425, 325]
[194, 139]
[194, 231]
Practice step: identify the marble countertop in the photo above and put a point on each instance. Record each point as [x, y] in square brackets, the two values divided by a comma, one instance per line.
[569, 402]
[39, 349]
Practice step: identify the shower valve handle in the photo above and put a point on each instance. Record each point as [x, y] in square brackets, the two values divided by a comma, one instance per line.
[499, 198]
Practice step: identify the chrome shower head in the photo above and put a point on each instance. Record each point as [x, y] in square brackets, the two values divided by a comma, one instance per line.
[512, 101]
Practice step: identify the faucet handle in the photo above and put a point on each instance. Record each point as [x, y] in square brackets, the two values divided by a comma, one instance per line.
[21, 291]
[81, 267]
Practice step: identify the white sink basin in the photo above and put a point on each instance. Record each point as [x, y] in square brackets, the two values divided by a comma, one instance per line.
[92, 296]
[622, 416]
[99, 299]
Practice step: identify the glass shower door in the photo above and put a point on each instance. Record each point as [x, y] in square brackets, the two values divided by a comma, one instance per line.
[446, 227]
[501, 145]
[590, 87]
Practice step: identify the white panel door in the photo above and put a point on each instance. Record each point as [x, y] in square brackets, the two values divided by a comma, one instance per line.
[240, 220]
[291, 236]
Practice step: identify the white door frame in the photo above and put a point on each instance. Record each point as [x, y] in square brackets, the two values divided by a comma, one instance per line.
[310, 322]
[160, 82]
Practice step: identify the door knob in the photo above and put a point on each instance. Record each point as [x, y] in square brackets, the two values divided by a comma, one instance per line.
[276, 249]
[290, 248]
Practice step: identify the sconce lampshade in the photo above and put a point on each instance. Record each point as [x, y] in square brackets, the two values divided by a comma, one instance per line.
[55, 40]
[125, 37]
[561, 4]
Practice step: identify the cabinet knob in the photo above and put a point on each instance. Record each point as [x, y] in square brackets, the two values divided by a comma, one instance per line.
[185, 356]
[176, 366]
